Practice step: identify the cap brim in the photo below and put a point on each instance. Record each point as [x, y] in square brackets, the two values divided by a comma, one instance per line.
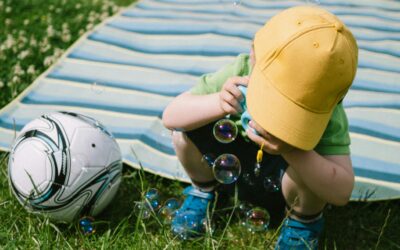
[280, 116]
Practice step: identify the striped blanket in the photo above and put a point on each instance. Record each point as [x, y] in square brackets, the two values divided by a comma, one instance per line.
[128, 68]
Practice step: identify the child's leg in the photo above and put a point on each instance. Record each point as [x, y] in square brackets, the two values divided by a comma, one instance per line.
[304, 225]
[298, 197]
[191, 159]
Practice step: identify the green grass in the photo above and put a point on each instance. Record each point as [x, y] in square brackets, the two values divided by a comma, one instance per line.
[22, 22]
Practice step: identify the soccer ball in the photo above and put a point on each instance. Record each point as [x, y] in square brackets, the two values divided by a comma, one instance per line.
[65, 165]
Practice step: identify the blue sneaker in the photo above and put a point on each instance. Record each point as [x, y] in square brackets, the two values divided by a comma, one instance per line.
[189, 219]
[298, 235]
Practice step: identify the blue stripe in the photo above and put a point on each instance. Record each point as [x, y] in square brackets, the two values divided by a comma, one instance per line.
[36, 98]
[179, 29]
[375, 129]
[144, 135]
[373, 4]
[172, 49]
[157, 89]
[375, 169]
[386, 26]
[88, 52]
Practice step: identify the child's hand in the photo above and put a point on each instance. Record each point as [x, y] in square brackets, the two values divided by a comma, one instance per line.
[272, 145]
[230, 95]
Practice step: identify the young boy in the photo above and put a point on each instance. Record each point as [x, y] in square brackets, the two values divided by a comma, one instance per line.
[301, 65]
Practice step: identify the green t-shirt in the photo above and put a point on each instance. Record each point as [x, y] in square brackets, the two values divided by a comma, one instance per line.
[334, 141]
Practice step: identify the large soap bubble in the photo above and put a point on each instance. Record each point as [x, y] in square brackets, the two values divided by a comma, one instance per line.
[226, 168]
[257, 220]
[225, 131]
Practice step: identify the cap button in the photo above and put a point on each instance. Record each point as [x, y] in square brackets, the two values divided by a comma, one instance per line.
[338, 26]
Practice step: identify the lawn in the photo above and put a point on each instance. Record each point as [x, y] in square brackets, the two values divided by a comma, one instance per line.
[34, 33]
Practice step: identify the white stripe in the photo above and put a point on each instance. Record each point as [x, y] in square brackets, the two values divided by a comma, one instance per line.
[106, 88]
[114, 32]
[388, 111]
[146, 56]
[117, 66]
[55, 108]
[374, 139]
[393, 185]
[147, 147]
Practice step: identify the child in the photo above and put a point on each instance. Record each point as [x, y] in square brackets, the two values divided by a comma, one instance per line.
[302, 63]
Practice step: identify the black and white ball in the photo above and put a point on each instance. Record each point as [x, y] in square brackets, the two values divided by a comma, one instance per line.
[65, 165]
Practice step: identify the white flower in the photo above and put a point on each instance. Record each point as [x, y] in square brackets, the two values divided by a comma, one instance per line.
[51, 7]
[58, 10]
[115, 8]
[9, 41]
[78, 6]
[1, 84]
[89, 26]
[103, 15]
[92, 17]
[33, 42]
[22, 40]
[24, 54]
[49, 60]
[18, 71]
[15, 80]
[66, 37]
[31, 70]
[7, 22]
[44, 45]
[8, 9]
[45, 48]
[26, 22]
[81, 32]
[50, 31]
[65, 26]
[58, 52]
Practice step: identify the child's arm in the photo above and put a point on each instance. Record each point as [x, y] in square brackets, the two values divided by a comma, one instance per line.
[329, 177]
[188, 111]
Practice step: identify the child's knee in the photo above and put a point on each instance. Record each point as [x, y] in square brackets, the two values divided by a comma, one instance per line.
[179, 140]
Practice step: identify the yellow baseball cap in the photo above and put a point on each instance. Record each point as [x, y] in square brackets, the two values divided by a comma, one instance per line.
[306, 60]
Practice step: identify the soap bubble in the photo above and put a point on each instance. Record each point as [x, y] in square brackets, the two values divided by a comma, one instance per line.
[248, 179]
[272, 184]
[167, 212]
[142, 209]
[225, 131]
[237, 2]
[187, 225]
[244, 207]
[97, 88]
[152, 196]
[257, 220]
[226, 168]
[85, 223]
[314, 2]
[209, 159]
[257, 169]
[207, 225]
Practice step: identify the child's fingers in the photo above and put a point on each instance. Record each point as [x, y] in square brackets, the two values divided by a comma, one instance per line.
[239, 80]
[232, 88]
[268, 147]
[228, 108]
[259, 130]
[227, 97]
